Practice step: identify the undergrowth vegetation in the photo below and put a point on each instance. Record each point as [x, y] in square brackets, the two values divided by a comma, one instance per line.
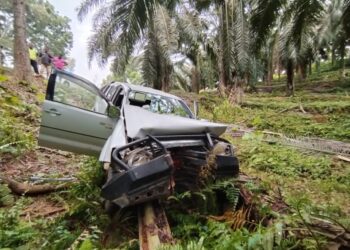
[81, 224]
[16, 122]
[290, 116]
[305, 184]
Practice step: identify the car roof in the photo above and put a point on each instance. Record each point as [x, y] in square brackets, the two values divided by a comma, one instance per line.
[140, 88]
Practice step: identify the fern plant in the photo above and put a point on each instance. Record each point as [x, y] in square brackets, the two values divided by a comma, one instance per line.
[231, 191]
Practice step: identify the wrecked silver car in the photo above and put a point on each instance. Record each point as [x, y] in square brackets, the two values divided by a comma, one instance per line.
[150, 139]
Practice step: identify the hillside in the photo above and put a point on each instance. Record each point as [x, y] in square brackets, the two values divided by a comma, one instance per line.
[286, 197]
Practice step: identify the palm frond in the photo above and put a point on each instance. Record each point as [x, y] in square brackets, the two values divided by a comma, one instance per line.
[329, 25]
[285, 48]
[241, 39]
[264, 16]
[346, 16]
[181, 77]
[306, 14]
[165, 31]
[190, 24]
[86, 6]
[118, 30]
[102, 14]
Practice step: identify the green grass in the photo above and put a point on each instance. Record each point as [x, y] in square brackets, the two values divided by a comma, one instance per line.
[310, 182]
[16, 135]
[320, 115]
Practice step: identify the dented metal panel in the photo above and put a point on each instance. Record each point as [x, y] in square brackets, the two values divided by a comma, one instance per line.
[141, 122]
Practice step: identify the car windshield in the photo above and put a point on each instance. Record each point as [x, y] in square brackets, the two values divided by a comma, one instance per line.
[159, 104]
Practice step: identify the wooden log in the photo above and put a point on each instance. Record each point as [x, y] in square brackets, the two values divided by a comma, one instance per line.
[343, 158]
[154, 229]
[27, 189]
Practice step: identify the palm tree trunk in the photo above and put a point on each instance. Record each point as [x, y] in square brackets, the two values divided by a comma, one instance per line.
[166, 73]
[310, 67]
[342, 60]
[303, 71]
[195, 79]
[22, 70]
[318, 63]
[290, 77]
[279, 70]
[237, 92]
[270, 71]
[223, 74]
[333, 55]
[342, 69]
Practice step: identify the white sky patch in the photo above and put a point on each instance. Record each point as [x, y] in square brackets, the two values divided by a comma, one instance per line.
[81, 33]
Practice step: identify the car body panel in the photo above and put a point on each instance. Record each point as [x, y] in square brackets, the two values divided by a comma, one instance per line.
[161, 124]
[117, 139]
[71, 128]
[74, 129]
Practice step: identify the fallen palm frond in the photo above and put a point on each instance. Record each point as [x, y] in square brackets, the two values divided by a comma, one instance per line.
[316, 144]
[309, 143]
[236, 219]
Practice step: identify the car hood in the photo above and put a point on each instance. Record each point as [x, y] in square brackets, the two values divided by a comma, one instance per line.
[141, 122]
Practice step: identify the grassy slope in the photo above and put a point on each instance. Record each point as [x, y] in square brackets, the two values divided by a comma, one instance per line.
[312, 182]
[309, 182]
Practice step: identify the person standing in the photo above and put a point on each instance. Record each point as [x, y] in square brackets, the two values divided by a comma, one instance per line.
[46, 63]
[58, 62]
[33, 55]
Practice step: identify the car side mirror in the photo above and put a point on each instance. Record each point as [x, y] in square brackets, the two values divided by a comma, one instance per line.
[113, 111]
[195, 109]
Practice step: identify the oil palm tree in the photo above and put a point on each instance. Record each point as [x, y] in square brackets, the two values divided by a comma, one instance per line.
[242, 30]
[192, 41]
[330, 26]
[298, 35]
[333, 30]
[121, 25]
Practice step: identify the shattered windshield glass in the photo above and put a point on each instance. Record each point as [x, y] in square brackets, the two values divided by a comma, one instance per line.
[159, 104]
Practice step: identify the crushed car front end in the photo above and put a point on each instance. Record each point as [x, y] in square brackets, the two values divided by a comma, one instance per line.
[159, 147]
[156, 166]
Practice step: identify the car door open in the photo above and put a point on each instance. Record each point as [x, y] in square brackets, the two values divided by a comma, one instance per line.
[74, 115]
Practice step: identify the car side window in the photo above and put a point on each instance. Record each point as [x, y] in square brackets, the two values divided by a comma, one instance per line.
[118, 98]
[110, 92]
[74, 92]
